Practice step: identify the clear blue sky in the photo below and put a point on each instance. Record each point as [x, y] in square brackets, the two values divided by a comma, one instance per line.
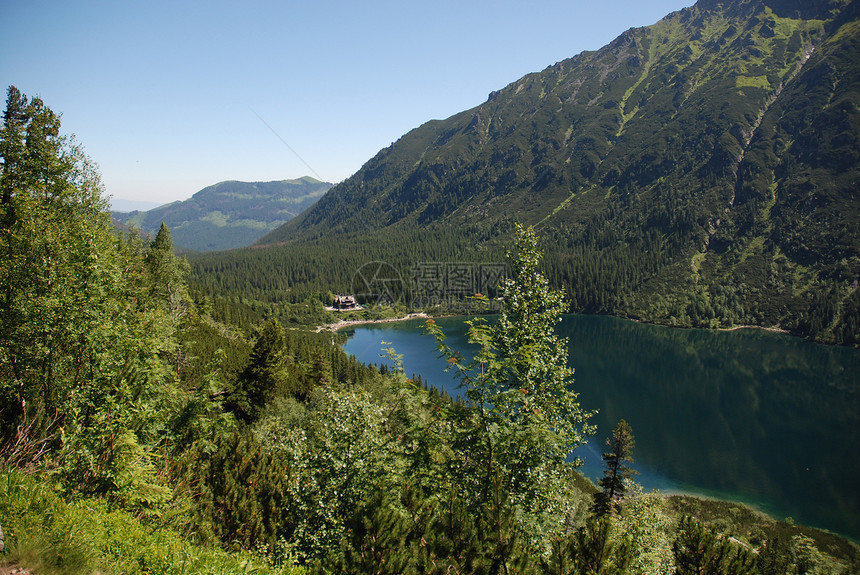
[165, 96]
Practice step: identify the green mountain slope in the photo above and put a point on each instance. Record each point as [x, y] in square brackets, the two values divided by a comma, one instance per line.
[229, 214]
[698, 172]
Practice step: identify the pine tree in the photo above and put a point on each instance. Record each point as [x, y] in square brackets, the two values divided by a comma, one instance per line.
[698, 551]
[452, 540]
[376, 542]
[167, 275]
[596, 552]
[775, 556]
[263, 376]
[617, 474]
[592, 549]
[245, 493]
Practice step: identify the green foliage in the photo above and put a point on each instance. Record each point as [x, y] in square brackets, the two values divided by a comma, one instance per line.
[202, 421]
[308, 274]
[773, 539]
[229, 215]
[167, 276]
[617, 474]
[531, 385]
[129, 391]
[592, 549]
[49, 536]
[207, 345]
[249, 494]
[645, 521]
[349, 440]
[262, 377]
[84, 332]
[338, 459]
[377, 540]
[596, 553]
[277, 482]
[807, 558]
[525, 419]
[699, 552]
[55, 287]
[418, 534]
[453, 535]
[775, 557]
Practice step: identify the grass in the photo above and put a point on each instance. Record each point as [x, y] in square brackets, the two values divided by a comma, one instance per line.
[50, 536]
[696, 262]
[752, 82]
[216, 218]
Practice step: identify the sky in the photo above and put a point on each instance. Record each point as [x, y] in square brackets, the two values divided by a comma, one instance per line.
[168, 97]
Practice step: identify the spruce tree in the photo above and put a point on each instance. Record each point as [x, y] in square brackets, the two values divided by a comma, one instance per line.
[263, 376]
[376, 540]
[167, 275]
[614, 481]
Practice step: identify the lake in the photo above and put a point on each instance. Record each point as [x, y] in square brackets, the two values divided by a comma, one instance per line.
[748, 415]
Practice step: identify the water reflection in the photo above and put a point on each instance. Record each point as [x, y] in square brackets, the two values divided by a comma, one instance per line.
[756, 416]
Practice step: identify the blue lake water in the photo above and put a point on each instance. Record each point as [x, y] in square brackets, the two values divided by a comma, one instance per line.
[751, 416]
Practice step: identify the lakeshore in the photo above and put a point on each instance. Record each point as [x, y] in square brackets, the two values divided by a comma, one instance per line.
[338, 325]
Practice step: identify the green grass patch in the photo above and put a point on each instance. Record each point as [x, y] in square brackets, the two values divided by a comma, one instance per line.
[752, 82]
[50, 536]
[696, 262]
[216, 218]
[256, 224]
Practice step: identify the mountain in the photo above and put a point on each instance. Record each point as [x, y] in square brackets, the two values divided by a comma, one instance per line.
[229, 214]
[702, 171]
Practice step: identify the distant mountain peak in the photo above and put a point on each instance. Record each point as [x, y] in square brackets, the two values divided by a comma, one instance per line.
[230, 214]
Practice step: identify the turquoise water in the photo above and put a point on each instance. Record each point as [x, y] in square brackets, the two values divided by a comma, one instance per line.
[748, 415]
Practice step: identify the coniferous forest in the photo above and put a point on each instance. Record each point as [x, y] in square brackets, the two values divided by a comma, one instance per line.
[149, 428]
[699, 172]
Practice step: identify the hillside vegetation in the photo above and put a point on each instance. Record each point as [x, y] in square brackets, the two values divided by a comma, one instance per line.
[139, 435]
[698, 172]
[230, 214]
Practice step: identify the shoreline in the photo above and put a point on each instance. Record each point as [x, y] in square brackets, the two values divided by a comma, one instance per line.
[770, 329]
[340, 324]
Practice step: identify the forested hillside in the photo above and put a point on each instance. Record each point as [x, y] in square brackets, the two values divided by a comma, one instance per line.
[698, 172]
[140, 435]
[229, 215]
